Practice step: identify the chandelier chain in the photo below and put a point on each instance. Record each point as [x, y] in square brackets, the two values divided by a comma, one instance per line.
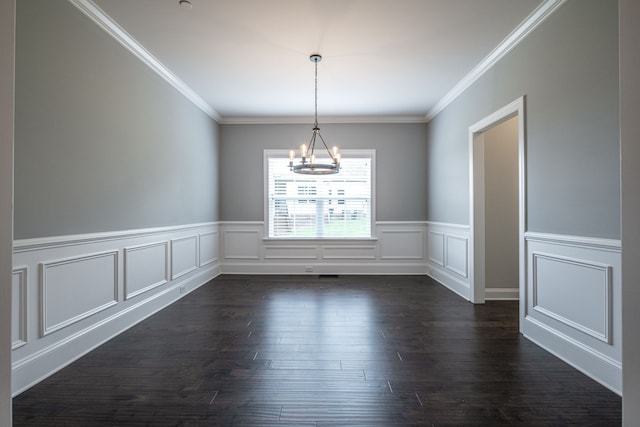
[308, 164]
[316, 96]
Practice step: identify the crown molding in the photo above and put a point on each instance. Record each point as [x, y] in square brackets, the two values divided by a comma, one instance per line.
[104, 21]
[420, 118]
[98, 16]
[538, 16]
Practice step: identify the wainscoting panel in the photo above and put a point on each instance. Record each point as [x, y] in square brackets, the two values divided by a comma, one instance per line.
[291, 252]
[349, 253]
[396, 248]
[90, 282]
[72, 293]
[457, 255]
[448, 257]
[19, 307]
[402, 244]
[574, 292]
[145, 267]
[436, 248]
[573, 302]
[242, 243]
[184, 256]
[208, 248]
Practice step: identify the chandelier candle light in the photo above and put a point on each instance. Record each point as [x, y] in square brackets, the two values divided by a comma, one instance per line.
[308, 163]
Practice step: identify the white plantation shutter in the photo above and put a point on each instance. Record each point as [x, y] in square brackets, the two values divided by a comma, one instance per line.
[320, 206]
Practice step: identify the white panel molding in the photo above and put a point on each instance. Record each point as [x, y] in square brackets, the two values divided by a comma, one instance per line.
[345, 252]
[146, 267]
[292, 252]
[184, 256]
[208, 245]
[246, 250]
[73, 275]
[79, 281]
[601, 304]
[457, 254]
[523, 30]
[242, 244]
[401, 244]
[448, 256]
[436, 247]
[572, 302]
[19, 307]
[104, 21]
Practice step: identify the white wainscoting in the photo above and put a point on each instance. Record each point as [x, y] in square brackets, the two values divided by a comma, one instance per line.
[145, 267]
[19, 307]
[396, 248]
[448, 257]
[449, 262]
[75, 288]
[208, 248]
[573, 305]
[72, 293]
[184, 256]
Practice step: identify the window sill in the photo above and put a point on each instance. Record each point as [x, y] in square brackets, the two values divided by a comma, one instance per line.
[320, 239]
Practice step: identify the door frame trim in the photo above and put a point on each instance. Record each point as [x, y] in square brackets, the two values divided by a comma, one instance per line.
[476, 201]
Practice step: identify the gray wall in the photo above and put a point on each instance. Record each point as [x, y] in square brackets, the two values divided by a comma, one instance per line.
[102, 143]
[501, 205]
[568, 70]
[7, 37]
[630, 147]
[400, 170]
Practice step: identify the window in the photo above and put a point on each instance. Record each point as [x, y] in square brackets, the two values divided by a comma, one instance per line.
[320, 206]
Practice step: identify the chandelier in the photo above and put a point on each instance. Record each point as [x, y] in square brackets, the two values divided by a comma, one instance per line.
[307, 162]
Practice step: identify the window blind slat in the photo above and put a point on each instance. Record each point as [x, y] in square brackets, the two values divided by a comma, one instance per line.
[321, 206]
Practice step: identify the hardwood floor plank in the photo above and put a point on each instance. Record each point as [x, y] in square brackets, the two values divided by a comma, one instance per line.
[305, 351]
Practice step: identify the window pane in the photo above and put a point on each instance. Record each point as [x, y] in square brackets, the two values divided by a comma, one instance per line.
[322, 206]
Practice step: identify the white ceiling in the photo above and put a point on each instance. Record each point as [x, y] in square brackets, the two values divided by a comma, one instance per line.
[249, 59]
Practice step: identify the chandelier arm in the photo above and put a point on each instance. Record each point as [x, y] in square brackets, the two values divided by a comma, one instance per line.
[312, 145]
[325, 146]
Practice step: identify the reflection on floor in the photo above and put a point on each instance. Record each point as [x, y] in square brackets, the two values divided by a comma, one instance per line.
[304, 350]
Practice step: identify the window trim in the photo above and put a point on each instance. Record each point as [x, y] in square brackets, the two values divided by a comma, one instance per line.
[283, 153]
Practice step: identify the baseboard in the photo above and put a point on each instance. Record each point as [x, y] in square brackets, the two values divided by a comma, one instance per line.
[450, 282]
[324, 268]
[595, 365]
[501, 294]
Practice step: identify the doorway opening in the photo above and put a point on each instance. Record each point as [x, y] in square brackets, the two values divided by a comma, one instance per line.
[497, 204]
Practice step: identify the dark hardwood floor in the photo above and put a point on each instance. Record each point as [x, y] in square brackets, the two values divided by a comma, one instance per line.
[309, 351]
